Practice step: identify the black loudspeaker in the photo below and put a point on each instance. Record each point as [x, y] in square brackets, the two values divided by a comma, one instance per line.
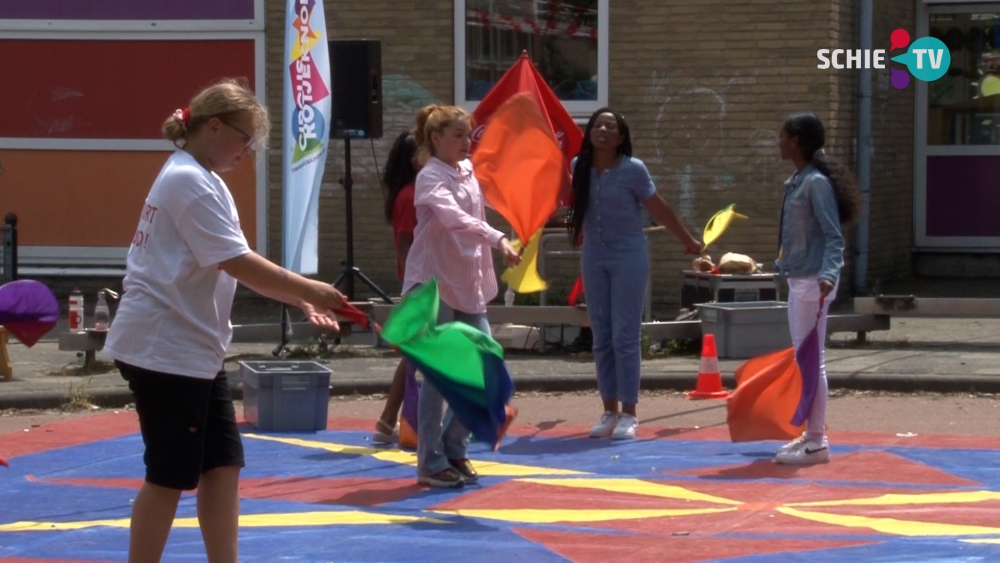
[356, 74]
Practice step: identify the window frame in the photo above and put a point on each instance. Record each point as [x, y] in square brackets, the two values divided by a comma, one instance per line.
[577, 108]
[922, 150]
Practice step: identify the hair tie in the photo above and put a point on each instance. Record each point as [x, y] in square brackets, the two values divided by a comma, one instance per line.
[820, 152]
[183, 115]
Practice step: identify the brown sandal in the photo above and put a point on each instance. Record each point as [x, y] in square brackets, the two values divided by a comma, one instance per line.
[448, 478]
[465, 468]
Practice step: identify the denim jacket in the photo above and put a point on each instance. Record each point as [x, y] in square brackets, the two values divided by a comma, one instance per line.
[810, 240]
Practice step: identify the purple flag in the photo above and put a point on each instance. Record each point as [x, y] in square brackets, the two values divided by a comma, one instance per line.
[807, 356]
[411, 395]
[28, 310]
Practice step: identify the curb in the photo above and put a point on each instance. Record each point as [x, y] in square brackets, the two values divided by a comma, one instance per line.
[117, 397]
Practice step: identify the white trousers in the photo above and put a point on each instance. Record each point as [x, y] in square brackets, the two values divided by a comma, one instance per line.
[803, 305]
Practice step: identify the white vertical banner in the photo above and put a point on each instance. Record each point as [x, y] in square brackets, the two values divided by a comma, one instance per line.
[306, 114]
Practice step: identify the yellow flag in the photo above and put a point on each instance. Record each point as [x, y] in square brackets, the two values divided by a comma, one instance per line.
[524, 277]
[718, 223]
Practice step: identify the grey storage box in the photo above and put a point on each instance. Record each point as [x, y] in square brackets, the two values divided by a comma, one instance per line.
[746, 330]
[285, 396]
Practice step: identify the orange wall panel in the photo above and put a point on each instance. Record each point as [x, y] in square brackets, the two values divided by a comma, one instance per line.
[93, 198]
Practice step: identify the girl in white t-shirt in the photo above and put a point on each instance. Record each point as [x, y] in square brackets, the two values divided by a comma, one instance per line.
[172, 328]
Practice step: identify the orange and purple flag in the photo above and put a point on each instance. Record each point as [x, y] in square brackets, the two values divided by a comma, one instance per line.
[768, 393]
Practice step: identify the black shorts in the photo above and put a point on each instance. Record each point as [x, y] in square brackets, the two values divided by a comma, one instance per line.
[188, 425]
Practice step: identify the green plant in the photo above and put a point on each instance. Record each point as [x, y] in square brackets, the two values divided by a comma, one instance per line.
[690, 347]
[553, 298]
[77, 397]
[321, 347]
[645, 346]
[526, 299]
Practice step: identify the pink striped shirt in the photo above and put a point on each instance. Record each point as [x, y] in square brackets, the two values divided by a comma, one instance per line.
[452, 240]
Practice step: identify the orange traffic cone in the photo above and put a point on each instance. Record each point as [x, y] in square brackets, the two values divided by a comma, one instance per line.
[709, 379]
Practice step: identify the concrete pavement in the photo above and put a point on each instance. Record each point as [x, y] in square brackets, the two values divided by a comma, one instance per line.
[946, 355]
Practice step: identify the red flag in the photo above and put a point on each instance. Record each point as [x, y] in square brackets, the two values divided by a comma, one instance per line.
[524, 77]
[355, 315]
[576, 292]
[519, 165]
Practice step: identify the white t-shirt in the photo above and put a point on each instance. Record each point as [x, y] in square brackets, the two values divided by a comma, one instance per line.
[174, 315]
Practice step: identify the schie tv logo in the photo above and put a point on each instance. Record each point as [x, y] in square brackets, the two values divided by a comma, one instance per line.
[927, 59]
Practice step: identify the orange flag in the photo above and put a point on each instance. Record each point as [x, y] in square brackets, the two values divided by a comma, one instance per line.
[520, 166]
[768, 390]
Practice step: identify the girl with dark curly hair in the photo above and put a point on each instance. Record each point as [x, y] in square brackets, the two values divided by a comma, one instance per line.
[819, 197]
[399, 175]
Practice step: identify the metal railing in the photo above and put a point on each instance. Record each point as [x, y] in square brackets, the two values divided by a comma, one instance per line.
[8, 249]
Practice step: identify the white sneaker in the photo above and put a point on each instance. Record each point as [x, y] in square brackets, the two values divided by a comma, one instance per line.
[794, 444]
[626, 428]
[809, 453]
[606, 426]
[381, 437]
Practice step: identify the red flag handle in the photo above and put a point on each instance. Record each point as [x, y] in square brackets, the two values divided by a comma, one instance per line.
[352, 314]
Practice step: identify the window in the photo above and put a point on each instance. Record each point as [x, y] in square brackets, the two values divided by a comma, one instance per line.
[567, 41]
[964, 105]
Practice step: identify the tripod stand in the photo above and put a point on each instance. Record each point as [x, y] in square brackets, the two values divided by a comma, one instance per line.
[350, 270]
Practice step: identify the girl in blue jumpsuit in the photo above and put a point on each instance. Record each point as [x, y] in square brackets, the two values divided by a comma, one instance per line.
[610, 191]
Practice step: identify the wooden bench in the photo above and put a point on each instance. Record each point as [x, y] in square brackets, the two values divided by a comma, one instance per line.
[92, 341]
[534, 315]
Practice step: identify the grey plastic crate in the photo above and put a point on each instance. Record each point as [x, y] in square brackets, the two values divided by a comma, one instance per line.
[746, 330]
[285, 396]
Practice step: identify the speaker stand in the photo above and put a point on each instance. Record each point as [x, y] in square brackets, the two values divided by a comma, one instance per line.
[350, 270]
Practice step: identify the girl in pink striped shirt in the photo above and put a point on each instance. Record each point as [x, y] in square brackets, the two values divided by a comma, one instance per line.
[451, 243]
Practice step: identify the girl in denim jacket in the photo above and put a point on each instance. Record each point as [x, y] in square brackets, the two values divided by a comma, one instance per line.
[819, 198]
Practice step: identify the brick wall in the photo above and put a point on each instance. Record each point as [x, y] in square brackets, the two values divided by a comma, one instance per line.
[705, 87]
[891, 238]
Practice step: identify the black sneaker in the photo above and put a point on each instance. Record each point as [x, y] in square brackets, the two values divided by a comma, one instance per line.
[584, 342]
